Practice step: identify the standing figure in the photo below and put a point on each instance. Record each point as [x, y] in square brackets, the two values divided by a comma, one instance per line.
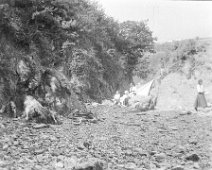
[200, 99]
[124, 100]
[116, 98]
[132, 88]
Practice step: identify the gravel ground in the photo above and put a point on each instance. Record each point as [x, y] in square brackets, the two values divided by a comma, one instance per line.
[120, 139]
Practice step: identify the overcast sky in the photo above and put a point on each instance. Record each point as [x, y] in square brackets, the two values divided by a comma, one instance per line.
[169, 20]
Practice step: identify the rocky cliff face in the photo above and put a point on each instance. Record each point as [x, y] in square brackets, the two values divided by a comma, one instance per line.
[45, 39]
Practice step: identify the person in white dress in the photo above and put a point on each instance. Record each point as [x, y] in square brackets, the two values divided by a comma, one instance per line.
[116, 98]
[200, 99]
[124, 99]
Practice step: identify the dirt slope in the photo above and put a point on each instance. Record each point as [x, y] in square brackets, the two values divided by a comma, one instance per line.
[177, 91]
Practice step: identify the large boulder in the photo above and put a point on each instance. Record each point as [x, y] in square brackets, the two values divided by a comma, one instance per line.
[41, 92]
[90, 164]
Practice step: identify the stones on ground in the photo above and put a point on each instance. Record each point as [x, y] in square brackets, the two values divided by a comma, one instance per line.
[80, 146]
[16, 143]
[92, 163]
[56, 137]
[178, 168]
[181, 149]
[5, 147]
[70, 163]
[140, 151]
[196, 165]
[193, 157]
[41, 126]
[130, 166]
[152, 152]
[94, 120]
[174, 128]
[87, 144]
[59, 164]
[55, 153]
[3, 164]
[193, 141]
[187, 112]
[128, 152]
[2, 126]
[160, 157]
[39, 151]
[16, 119]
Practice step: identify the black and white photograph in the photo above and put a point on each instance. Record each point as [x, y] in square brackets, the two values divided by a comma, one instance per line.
[105, 85]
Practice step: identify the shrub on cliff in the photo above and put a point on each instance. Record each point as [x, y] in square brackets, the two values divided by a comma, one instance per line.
[76, 38]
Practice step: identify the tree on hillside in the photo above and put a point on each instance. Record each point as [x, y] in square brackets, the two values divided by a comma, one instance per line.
[96, 54]
[139, 40]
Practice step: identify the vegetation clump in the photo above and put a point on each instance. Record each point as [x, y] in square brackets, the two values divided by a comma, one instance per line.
[71, 44]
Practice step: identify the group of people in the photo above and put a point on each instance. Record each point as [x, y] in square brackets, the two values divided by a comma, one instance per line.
[200, 101]
[124, 100]
[121, 100]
